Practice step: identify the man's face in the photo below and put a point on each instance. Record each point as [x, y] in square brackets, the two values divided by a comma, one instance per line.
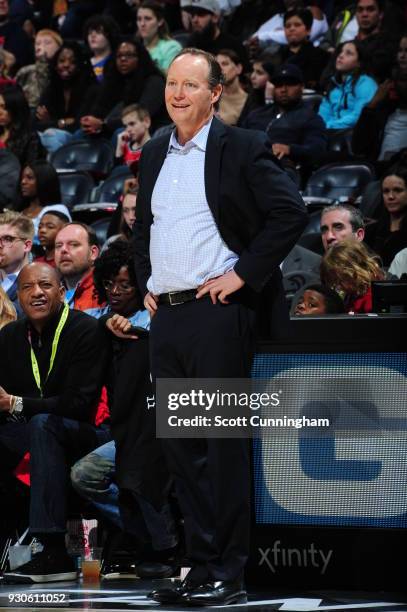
[368, 15]
[97, 40]
[336, 227]
[295, 30]
[311, 303]
[13, 248]
[73, 254]
[39, 292]
[4, 8]
[231, 71]
[286, 94]
[201, 20]
[188, 98]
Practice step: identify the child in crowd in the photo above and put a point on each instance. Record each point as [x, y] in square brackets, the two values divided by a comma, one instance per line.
[319, 300]
[51, 223]
[136, 121]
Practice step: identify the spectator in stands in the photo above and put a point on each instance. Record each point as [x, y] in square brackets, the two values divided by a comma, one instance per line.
[319, 300]
[398, 266]
[51, 223]
[341, 222]
[40, 192]
[57, 404]
[122, 221]
[34, 79]
[206, 32]
[101, 34]
[349, 89]
[76, 15]
[234, 97]
[16, 237]
[132, 78]
[9, 179]
[94, 476]
[153, 30]
[66, 98]
[262, 89]
[389, 235]
[16, 41]
[349, 268]
[7, 310]
[16, 133]
[137, 122]
[382, 127]
[296, 132]
[76, 249]
[273, 30]
[5, 59]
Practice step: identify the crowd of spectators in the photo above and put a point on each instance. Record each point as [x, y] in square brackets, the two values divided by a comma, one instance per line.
[306, 74]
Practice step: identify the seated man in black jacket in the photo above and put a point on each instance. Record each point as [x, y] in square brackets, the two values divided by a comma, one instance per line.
[297, 134]
[52, 364]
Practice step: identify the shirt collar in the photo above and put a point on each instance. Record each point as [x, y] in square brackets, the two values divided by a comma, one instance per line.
[199, 140]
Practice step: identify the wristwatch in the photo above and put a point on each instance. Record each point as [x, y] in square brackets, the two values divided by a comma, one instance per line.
[18, 406]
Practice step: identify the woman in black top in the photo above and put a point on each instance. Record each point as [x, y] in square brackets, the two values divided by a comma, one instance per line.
[16, 133]
[65, 99]
[131, 77]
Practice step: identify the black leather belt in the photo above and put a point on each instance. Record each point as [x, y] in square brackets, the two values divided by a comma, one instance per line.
[174, 298]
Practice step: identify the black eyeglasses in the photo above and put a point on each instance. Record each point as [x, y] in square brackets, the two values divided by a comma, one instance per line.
[7, 241]
[109, 285]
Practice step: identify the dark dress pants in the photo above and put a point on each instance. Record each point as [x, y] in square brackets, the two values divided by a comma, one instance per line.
[54, 444]
[212, 476]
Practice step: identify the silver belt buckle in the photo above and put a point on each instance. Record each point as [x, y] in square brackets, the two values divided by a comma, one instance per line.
[170, 294]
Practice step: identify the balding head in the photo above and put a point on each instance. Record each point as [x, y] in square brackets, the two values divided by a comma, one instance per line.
[40, 293]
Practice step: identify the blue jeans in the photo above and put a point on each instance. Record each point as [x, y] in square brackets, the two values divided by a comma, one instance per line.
[93, 478]
[52, 139]
[54, 443]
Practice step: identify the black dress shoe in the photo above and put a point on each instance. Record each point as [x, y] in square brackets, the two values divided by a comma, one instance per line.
[176, 594]
[219, 593]
[155, 569]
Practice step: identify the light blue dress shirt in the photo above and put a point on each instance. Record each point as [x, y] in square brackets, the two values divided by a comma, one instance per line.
[186, 248]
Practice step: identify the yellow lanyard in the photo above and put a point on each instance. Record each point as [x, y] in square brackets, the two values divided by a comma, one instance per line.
[34, 362]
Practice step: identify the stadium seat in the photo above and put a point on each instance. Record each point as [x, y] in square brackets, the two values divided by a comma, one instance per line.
[101, 226]
[313, 99]
[371, 199]
[112, 187]
[94, 156]
[339, 181]
[76, 188]
[181, 36]
[340, 141]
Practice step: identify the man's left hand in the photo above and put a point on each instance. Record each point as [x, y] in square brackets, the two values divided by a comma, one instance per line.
[222, 286]
[280, 150]
[4, 400]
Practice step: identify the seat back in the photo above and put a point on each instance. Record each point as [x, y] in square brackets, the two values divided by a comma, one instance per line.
[95, 156]
[339, 181]
[112, 188]
[75, 187]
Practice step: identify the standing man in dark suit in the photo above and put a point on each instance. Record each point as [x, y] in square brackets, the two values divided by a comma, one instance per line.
[215, 218]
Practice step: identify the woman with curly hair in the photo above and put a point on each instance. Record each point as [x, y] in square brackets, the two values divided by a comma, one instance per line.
[115, 284]
[349, 268]
[7, 310]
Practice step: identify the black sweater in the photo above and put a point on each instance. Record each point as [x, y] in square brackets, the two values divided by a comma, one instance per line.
[73, 387]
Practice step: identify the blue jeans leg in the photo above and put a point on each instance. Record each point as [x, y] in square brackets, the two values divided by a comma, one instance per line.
[56, 443]
[93, 478]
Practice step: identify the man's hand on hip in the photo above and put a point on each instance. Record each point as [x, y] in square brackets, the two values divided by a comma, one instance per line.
[150, 303]
[222, 286]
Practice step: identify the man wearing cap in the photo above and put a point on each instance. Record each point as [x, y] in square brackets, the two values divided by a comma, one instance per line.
[295, 130]
[206, 33]
[215, 218]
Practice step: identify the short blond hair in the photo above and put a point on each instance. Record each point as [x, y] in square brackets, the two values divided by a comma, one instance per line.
[142, 113]
[23, 224]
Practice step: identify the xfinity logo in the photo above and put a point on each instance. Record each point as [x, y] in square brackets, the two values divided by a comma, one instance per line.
[277, 557]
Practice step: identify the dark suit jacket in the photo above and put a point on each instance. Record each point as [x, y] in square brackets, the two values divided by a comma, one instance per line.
[256, 206]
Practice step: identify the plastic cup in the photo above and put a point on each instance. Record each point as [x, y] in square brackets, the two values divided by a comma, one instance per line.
[91, 562]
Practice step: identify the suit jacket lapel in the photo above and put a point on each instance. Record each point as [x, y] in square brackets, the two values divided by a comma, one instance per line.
[213, 159]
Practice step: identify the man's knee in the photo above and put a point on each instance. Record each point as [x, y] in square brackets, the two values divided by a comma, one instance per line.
[43, 423]
[92, 475]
